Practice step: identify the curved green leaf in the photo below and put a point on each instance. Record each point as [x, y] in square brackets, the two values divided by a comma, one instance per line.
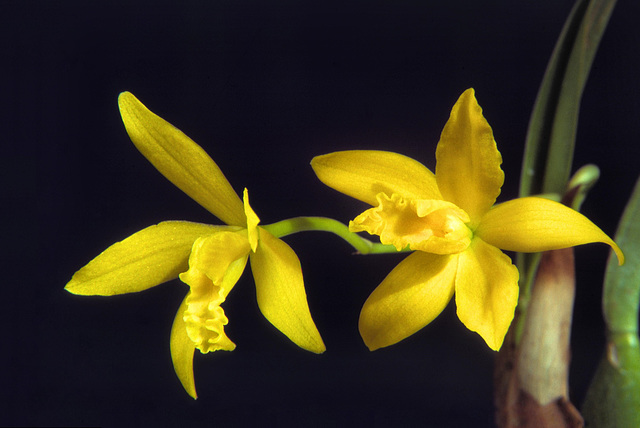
[554, 120]
[613, 399]
[550, 142]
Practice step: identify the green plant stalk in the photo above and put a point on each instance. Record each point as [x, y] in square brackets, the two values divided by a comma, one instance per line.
[324, 224]
[613, 398]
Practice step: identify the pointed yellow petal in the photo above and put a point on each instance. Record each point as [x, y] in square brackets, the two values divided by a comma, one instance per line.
[536, 224]
[180, 160]
[486, 291]
[362, 174]
[280, 292]
[182, 349]
[467, 159]
[145, 259]
[413, 294]
[252, 221]
[215, 264]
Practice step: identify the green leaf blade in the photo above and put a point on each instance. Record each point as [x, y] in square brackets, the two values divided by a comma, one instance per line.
[613, 399]
[554, 120]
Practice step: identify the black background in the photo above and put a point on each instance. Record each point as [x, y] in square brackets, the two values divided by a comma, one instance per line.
[263, 87]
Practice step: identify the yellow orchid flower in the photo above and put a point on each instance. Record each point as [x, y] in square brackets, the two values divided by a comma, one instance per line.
[449, 218]
[210, 259]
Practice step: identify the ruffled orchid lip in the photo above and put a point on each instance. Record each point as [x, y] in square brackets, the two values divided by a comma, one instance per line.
[215, 264]
[428, 225]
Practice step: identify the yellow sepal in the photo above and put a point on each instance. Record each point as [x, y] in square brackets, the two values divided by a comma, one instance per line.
[182, 349]
[280, 292]
[467, 159]
[143, 260]
[180, 160]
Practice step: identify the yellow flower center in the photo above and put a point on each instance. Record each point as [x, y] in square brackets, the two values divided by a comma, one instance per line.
[429, 225]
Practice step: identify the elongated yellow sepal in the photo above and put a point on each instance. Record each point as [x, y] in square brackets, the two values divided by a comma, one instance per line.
[145, 259]
[280, 292]
[535, 224]
[362, 174]
[180, 160]
[182, 349]
[468, 161]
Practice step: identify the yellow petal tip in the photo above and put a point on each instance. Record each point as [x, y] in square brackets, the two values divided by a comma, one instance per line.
[73, 288]
[69, 287]
[372, 339]
[124, 98]
[494, 345]
[318, 348]
[371, 346]
[192, 394]
[252, 221]
[618, 251]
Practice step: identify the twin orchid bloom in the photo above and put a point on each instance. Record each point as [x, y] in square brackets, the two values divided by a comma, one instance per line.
[448, 219]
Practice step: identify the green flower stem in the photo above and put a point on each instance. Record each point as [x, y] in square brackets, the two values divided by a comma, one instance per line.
[324, 224]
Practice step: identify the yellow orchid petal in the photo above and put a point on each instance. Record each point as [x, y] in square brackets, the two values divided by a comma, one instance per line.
[180, 160]
[362, 174]
[536, 224]
[467, 160]
[215, 265]
[413, 294]
[143, 260]
[252, 221]
[280, 292]
[182, 349]
[486, 291]
[429, 225]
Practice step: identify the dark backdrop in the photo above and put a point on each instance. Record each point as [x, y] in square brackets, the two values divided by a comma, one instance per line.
[263, 87]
